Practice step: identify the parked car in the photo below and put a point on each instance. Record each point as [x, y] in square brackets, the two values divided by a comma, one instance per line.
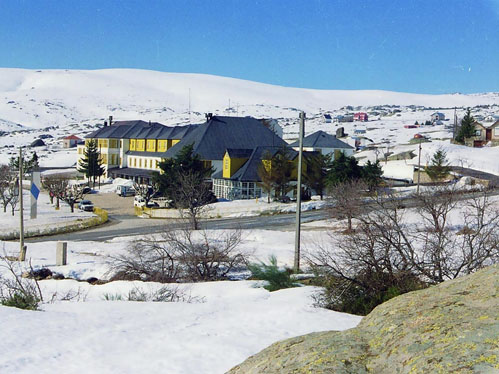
[140, 202]
[87, 190]
[124, 191]
[86, 205]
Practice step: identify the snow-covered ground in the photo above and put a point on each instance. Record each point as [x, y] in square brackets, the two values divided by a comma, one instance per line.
[46, 214]
[224, 324]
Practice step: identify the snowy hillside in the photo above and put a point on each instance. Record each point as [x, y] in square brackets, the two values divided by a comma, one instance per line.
[42, 98]
[54, 103]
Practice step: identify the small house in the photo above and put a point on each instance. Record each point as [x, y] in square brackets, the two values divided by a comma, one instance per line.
[484, 134]
[343, 118]
[437, 117]
[324, 143]
[70, 141]
[360, 116]
[327, 118]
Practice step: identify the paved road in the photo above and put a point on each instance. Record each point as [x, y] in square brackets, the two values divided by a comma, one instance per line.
[127, 225]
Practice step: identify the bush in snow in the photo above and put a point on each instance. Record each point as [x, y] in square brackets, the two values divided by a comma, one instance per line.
[182, 255]
[276, 278]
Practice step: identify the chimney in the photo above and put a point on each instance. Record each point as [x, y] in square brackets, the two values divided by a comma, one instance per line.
[105, 123]
[340, 132]
[208, 116]
[110, 120]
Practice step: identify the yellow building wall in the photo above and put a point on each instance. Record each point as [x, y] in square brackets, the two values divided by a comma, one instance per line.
[151, 145]
[113, 143]
[140, 145]
[133, 145]
[231, 165]
[175, 141]
[162, 145]
[102, 143]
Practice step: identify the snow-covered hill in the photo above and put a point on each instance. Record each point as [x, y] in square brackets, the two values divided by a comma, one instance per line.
[54, 103]
[42, 98]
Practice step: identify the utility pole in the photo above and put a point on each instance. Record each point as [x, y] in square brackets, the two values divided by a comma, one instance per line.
[419, 165]
[298, 196]
[22, 250]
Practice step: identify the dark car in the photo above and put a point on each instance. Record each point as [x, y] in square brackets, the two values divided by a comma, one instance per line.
[86, 205]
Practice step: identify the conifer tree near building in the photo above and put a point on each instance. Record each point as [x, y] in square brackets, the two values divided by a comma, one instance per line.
[467, 128]
[91, 163]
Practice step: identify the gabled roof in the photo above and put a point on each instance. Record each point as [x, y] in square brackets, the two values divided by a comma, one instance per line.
[321, 139]
[211, 139]
[239, 153]
[327, 116]
[72, 137]
[249, 171]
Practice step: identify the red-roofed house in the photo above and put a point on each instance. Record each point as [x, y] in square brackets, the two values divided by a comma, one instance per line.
[360, 116]
[70, 141]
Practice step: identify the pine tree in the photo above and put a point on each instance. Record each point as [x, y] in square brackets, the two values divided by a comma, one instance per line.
[343, 169]
[371, 174]
[439, 167]
[316, 172]
[467, 128]
[91, 163]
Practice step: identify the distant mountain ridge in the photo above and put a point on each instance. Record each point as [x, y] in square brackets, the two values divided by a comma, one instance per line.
[42, 98]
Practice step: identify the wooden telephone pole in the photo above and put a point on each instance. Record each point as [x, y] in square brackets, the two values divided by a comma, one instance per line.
[22, 250]
[298, 196]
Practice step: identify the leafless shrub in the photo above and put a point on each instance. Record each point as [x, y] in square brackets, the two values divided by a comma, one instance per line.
[386, 254]
[182, 255]
[15, 290]
[346, 200]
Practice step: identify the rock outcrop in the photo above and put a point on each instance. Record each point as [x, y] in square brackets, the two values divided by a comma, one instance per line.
[449, 328]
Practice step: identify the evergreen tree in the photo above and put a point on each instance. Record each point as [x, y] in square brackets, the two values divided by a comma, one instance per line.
[371, 174]
[316, 172]
[174, 170]
[343, 169]
[467, 128]
[283, 169]
[439, 167]
[91, 163]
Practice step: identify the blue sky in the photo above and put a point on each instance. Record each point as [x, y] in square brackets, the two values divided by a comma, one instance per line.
[427, 46]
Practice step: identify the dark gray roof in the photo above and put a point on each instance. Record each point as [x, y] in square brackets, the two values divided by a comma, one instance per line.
[321, 139]
[131, 172]
[212, 139]
[141, 130]
[239, 153]
[249, 171]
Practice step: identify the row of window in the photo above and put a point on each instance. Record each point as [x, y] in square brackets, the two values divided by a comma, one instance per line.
[152, 145]
[138, 162]
[227, 189]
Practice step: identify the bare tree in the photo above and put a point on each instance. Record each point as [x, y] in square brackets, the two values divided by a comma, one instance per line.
[388, 252]
[181, 255]
[56, 185]
[192, 196]
[13, 194]
[7, 177]
[145, 191]
[346, 200]
[71, 194]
